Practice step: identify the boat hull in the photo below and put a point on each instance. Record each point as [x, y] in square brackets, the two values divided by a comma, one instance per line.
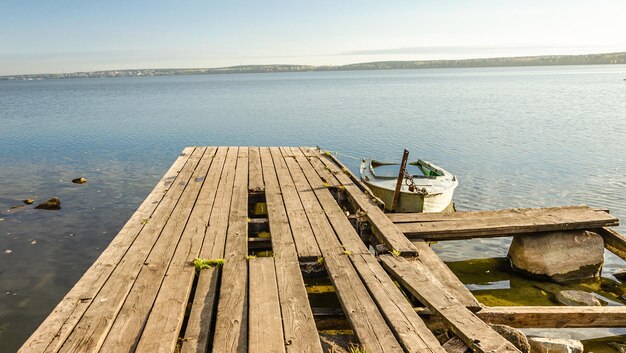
[414, 202]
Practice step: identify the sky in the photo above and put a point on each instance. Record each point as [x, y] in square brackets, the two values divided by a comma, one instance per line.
[43, 36]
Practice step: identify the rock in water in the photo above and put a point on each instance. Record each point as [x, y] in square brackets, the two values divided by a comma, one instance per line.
[79, 181]
[620, 274]
[558, 256]
[52, 204]
[513, 335]
[577, 298]
[28, 201]
[554, 345]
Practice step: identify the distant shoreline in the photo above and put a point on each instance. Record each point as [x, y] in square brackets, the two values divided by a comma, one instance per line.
[518, 61]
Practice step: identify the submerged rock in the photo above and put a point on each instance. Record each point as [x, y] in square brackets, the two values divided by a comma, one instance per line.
[79, 180]
[515, 336]
[577, 298]
[52, 204]
[554, 345]
[620, 274]
[620, 347]
[558, 256]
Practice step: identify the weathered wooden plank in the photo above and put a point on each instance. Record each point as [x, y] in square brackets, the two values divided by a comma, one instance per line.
[255, 178]
[231, 327]
[404, 322]
[298, 323]
[203, 309]
[410, 330]
[306, 245]
[382, 227]
[518, 221]
[445, 276]
[343, 228]
[323, 171]
[151, 246]
[366, 320]
[613, 241]
[162, 328]
[265, 327]
[470, 215]
[455, 345]
[424, 285]
[555, 316]
[55, 328]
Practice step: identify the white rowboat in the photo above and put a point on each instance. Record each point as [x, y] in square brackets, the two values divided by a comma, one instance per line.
[430, 191]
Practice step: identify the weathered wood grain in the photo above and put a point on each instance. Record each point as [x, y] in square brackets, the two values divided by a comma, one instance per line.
[255, 179]
[613, 241]
[504, 223]
[231, 327]
[555, 316]
[306, 245]
[266, 326]
[416, 277]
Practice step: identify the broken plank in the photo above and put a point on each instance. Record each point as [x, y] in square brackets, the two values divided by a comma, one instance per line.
[416, 277]
[54, 329]
[231, 326]
[265, 332]
[298, 322]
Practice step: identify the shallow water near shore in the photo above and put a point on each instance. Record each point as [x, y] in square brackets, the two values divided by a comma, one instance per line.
[514, 137]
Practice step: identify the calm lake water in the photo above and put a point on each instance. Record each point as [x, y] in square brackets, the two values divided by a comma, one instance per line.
[515, 137]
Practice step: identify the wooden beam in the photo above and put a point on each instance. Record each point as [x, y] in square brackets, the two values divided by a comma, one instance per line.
[555, 316]
[231, 326]
[503, 223]
[613, 241]
[424, 285]
[298, 322]
[265, 331]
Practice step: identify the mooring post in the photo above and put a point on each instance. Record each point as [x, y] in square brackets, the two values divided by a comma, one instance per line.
[396, 193]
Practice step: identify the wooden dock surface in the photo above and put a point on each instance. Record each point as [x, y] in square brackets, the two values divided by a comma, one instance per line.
[252, 218]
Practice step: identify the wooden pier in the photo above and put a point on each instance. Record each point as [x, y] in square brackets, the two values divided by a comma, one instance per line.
[255, 219]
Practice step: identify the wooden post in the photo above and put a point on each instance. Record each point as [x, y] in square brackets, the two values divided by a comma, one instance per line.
[396, 193]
